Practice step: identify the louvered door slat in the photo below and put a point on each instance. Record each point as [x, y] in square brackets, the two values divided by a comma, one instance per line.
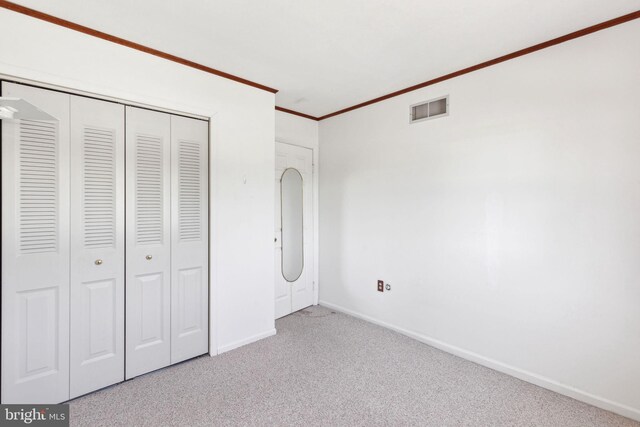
[99, 192]
[189, 190]
[149, 191]
[38, 189]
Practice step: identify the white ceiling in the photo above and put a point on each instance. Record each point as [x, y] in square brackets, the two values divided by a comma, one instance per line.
[325, 55]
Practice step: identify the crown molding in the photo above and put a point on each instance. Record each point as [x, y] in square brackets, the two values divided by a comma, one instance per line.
[136, 46]
[295, 113]
[574, 35]
[95, 33]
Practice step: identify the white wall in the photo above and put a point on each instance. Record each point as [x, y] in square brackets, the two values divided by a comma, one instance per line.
[510, 230]
[242, 153]
[296, 130]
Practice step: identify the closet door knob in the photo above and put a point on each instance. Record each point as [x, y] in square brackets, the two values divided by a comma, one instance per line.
[148, 257]
[98, 262]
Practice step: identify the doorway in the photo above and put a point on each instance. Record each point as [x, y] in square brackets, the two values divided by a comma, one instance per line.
[293, 229]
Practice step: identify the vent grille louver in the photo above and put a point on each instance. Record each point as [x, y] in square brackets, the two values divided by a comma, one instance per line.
[99, 188]
[149, 189]
[189, 192]
[431, 109]
[38, 190]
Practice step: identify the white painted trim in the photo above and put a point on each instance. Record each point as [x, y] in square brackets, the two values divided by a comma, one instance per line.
[252, 339]
[316, 222]
[213, 241]
[527, 376]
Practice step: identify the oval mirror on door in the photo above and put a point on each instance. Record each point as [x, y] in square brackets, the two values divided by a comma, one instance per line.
[292, 236]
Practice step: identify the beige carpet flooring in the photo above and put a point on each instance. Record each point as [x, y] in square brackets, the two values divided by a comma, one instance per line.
[330, 369]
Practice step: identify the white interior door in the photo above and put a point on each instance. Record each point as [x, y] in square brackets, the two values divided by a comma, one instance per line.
[189, 238]
[294, 293]
[148, 241]
[35, 251]
[97, 244]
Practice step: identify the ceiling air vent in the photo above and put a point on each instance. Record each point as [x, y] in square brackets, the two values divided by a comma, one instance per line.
[431, 109]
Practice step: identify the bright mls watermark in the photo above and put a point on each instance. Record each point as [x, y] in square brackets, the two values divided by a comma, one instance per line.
[34, 415]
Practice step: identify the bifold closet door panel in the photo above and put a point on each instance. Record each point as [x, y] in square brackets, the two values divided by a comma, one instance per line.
[189, 238]
[97, 244]
[35, 251]
[148, 241]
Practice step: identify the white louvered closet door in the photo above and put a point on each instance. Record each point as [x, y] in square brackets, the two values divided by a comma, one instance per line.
[189, 241]
[35, 251]
[97, 245]
[148, 241]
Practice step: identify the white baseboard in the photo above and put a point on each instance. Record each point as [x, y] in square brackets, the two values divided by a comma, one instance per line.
[249, 340]
[530, 377]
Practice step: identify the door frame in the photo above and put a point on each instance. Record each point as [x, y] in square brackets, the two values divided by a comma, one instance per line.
[314, 210]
